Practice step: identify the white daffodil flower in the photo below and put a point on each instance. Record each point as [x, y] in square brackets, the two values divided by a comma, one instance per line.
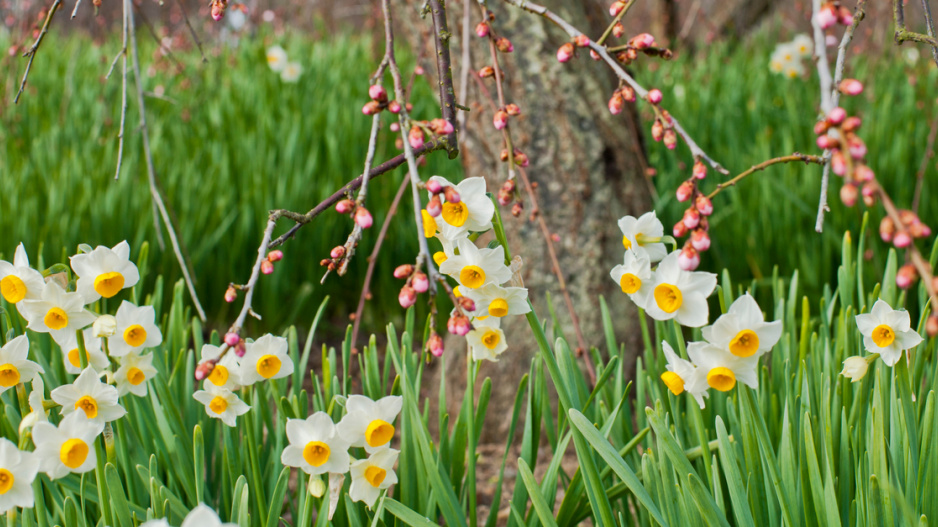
[486, 340]
[635, 277]
[683, 376]
[264, 359]
[200, 516]
[225, 374]
[56, 312]
[644, 234]
[474, 267]
[855, 368]
[18, 469]
[104, 272]
[448, 247]
[15, 367]
[803, 45]
[743, 330]
[371, 476]
[133, 374]
[68, 447]
[276, 58]
[368, 423]
[97, 359]
[721, 368]
[18, 280]
[473, 213]
[887, 331]
[679, 294]
[221, 403]
[497, 301]
[315, 446]
[98, 401]
[136, 330]
[37, 412]
[291, 72]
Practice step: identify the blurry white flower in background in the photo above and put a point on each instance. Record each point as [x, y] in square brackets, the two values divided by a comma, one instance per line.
[276, 58]
[787, 58]
[910, 55]
[291, 72]
[236, 19]
[268, 16]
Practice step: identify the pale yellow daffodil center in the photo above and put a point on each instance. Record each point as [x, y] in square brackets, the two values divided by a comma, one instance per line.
[498, 307]
[9, 375]
[375, 475]
[75, 359]
[135, 336]
[135, 376]
[316, 453]
[73, 453]
[745, 343]
[668, 297]
[12, 288]
[439, 257]
[883, 335]
[6, 480]
[219, 375]
[456, 292]
[56, 318]
[630, 283]
[218, 405]
[379, 433]
[472, 276]
[455, 214]
[88, 405]
[673, 381]
[268, 366]
[491, 339]
[429, 224]
[722, 379]
[109, 284]
[626, 243]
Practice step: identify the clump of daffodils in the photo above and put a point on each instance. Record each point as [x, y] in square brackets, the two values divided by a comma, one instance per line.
[788, 57]
[321, 448]
[279, 63]
[107, 351]
[887, 333]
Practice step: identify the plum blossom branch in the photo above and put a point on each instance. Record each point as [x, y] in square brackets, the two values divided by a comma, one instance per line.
[904, 35]
[31, 52]
[763, 165]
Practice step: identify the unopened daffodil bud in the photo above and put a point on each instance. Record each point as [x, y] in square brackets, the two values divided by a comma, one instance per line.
[855, 368]
[104, 326]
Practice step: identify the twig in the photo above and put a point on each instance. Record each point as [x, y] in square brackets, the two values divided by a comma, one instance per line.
[151, 171]
[820, 57]
[466, 62]
[903, 34]
[920, 176]
[373, 259]
[640, 91]
[930, 26]
[195, 36]
[31, 52]
[75, 11]
[120, 134]
[762, 166]
[444, 73]
[255, 272]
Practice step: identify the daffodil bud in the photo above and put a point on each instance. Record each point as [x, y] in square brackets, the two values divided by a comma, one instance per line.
[420, 283]
[435, 344]
[316, 487]
[855, 368]
[482, 30]
[104, 326]
[655, 96]
[565, 53]
[378, 93]
[407, 297]
[231, 294]
[906, 276]
[267, 267]
[451, 195]
[232, 339]
[403, 271]
[504, 45]
[363, 218]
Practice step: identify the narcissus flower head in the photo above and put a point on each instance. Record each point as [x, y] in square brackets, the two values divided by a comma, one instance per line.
[315, 446]
[497, 301]
[15, 367]
[681, 295]
[888, 332]
[722, 369]
[276, 58]
[201, 516]
[56, 312]
[225, 373]
[18, 469]
[136, 330]
[133, 374]
[104, 272]
[18, 280]
[683, 376]
[68, 447]
[368, 423]
[634, 276]
[471, 212]
[743, 331]
[371, 476]
[644, 234]
[474, 267]
[91, 397]
[264, 359]
[486, 340]
[221, 403]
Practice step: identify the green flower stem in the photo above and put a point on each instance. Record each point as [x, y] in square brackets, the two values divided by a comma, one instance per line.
[257, 485]
[473, 369]
[104, 500]
[82, 350]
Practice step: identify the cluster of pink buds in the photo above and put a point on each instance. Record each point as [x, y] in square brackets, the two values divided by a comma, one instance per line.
[838, 133]
[622, 95]
[694, 222]
[458, 323]
[662, 130]
[520, 158]
[644, 43]
[234, 342]
[362, 217]
[218, 9]
[568, 50]
[439, 194]
[417, 282]
[435, 343]
[379, 101]
[267, 265]
[832, 13]
[902, 235]
[507, 193]
[500, 121]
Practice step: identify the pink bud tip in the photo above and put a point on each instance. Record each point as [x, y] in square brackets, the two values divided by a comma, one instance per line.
[446, 128]
[500, 121]
[435, 344]
[458, 325]
[513, 109]
[420, 283]
[616, 8]
[684, 191]
[616, 104]
[418, 70]
[363, 218]
[231, 294]
[691, 218]
[704, 205]
[857, 148]
[371, 108]
[689, 259]
[679, 230]
[581, 41]
[204, 369]
[395, 127]
[232, 339]
[700, 170]
[267, 267]
[902, 240]
[434, 186]
[337, 252]
[594, 55]
[700, 240]
[825, 142]
[670, 139]
[434, 207]
[643, 41]
[345, 206]
[851, 87]
[403, 271]
[618, 30]
[394, 107]
[565, 53]
[482, 30]
[826, 17]
[275, 256]
[378, 93]
[218, 14]
[415, 137]
[837, 116]
[407, 297]
[838, 163]
[655, 96]
[863, 173]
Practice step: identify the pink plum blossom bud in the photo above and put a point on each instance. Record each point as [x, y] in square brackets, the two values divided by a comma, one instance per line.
[486, 71]
[826, 17]
[240, 348]
[906, 276]
[700, 239]
[504, 45]
[204, 369]
[232, 339]
[441, 127]
[218, 9]
[655, 96]
[868, 191]
[851, 87]
[418, 70]
[420, 282]
[267, 267]
[521, 159]
[887, 229]
[863, 173]
[500, 121]
[378, 93]
[826, 142]
[618, 30]
[902, 239]
[458, 325]
[670, 139]
[689, 259]
[403, 271]
[851, 124]
[849, 194]
[435, 344]
[482, 30]
[703, 205]
[231, 294]
[857, 148]
[616, 103]
[371, 108]
[395, 126]
[275, 256]
[434, 187]
[691, 218]
[838, 163]
[657, 130]
[931, 325]
[837, 116]
[337, 252]
[451, 195]
[679, 230]
[643, 41]
[467, 304]
[844, 16]
[699, 170]
[594, 55]
[363, 218]
[617, 8]
[581, 41]
[821, 127]
[434, 207]
[684, 191]
[407, 297]
[504, 198]
[415, 137]
[627, 93]
[394, 107]
[513, 109]
[345, 206]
